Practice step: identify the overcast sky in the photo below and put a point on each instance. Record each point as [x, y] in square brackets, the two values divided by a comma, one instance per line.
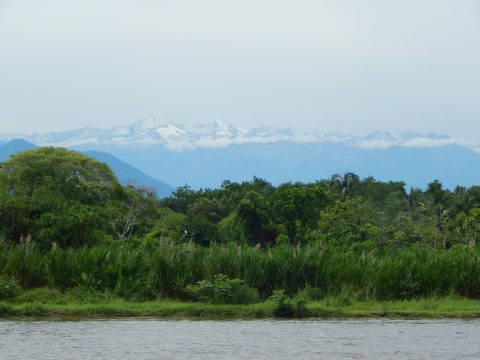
[348, 66]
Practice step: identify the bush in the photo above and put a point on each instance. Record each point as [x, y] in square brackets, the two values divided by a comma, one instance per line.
[284, 307]
[6, 309]
[9, 288]
[245, 295]
[223, 290]
[344, 298]
[33, 309]
[300, 306]
[41, 295]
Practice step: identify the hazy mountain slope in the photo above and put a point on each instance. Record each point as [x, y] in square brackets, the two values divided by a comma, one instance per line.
[288, 161]
[129, 174]
[13, 147]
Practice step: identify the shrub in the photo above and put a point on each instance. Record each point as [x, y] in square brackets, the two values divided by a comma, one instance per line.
[32, 309]
[344, 298]
[300, 305]
[9, 288]
[245, 295]
[223, 290]
[6, 309]
[284, 307]
[41, 295]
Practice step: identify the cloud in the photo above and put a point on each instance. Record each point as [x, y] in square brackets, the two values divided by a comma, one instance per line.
[418, 141]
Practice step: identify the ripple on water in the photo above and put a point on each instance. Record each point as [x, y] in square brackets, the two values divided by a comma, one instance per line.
[262, 339]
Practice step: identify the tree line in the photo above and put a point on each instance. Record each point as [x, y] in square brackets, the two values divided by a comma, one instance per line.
[62, 198]
[67, 223]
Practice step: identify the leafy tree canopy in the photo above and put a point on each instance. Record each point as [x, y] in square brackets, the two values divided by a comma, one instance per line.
[57, 195]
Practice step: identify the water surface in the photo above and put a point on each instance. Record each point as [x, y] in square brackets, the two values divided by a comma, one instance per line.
[262, 339]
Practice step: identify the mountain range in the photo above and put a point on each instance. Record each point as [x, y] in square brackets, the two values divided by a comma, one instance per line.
[205, 155]
[153, 130]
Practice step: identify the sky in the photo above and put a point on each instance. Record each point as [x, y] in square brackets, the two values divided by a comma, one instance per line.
[346, 66]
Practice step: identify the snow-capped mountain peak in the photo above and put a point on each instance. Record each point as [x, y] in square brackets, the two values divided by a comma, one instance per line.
[154, 130]
[148, 123]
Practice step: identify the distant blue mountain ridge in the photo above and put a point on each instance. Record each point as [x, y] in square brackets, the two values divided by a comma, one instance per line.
[127, 174]
[130, 175]
[14, 146]
[281, 162]
[202, 156]
[285, 161]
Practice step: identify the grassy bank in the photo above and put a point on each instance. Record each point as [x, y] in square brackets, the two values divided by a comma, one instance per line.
[318, 281]
[327, 308]
[165, 270]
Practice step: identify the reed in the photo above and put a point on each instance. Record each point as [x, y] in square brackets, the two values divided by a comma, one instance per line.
[164, 270]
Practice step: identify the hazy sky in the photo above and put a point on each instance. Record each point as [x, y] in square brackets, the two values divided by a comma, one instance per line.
[349, 66]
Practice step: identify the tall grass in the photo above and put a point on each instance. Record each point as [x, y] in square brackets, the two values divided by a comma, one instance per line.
[164, 270]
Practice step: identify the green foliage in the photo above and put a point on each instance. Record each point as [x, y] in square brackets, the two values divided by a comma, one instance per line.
[67, 224]
[168, 225]
[40, 295]
[56, 195]
[252, 213]
[9, 288]
[310, 294]
[298, 206]
[6, 309]
[349, 221]
[61, 197]
[344, 298]
[223, 290]
[167, 270]
[31, 309]
[88, 295]
[284, 306]
[200, 230]
[230, 230]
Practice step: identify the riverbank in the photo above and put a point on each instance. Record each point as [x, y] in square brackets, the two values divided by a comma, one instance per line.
[327, 308]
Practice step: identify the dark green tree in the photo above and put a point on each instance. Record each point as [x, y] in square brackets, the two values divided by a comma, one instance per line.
[297, 206]
[252, 213]
[57, 195]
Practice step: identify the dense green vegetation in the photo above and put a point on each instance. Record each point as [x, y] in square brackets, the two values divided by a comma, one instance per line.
[66, 224]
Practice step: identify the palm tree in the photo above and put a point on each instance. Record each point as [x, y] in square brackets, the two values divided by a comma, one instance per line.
[464, 200]
[345, 184]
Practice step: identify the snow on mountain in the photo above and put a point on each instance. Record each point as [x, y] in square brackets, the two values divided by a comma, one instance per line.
[383, 140]
[153, 130]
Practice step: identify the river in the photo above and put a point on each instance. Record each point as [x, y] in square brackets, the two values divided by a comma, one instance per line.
[257, 339]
